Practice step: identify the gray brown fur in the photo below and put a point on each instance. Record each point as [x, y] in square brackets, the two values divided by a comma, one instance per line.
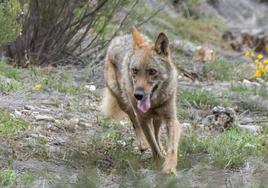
[133, 62]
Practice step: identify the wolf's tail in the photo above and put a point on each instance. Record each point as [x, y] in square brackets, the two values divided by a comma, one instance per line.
[110, 107]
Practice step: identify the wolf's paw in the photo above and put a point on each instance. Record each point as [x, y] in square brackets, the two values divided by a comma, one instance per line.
[168, 169]
[163, 150]
[144, 146]
[169, 166]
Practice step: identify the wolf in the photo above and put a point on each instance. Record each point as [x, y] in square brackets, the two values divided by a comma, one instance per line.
[141, 81]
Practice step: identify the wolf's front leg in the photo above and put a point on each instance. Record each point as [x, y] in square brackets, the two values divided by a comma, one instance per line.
[148, 129]
[143, 144]
[173, 133]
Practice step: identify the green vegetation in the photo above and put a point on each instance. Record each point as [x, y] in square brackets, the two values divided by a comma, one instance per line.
[243, 90]
[221, 70]
[11, 78]
[10, 125]
[229, 149]
[188, 8]
[9, 86]
[197, 30]
[60, 86]
[10, 28]
[61, 82]
[111, 147]
[199, 98]
[9, 71]
[27, 178]
[7, 177]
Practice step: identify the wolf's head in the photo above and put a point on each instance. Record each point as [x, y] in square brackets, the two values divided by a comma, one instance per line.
[149, 68]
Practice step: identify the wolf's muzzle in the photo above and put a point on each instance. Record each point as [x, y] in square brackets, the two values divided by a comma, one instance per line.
[139, 94]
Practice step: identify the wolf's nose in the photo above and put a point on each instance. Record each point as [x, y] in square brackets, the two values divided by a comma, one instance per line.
[138, 94]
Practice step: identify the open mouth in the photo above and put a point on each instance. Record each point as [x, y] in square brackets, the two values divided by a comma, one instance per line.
[145, 103]
[153, 90]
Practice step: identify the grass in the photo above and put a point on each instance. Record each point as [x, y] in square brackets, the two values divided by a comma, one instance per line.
[10, 125]
[47, 79]
[239, 89]
[27, 178]
[110, 150]
[9, 86]
[9, 71]
[60, 86]
[229, 149]
[243, 90]
[7, 177]
[200, 98]
[221, 70]
[197, 30]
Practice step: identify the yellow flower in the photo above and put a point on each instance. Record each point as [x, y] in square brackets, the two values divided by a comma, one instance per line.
[260, 66]
[37, 87]
[257, 74]
[257, 62]
[248, 54]
[260, 56]
[264, 69]
[265, 61]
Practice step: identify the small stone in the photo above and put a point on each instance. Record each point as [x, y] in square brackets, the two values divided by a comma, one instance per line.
[122, 143]
[248, 145]
[57, 121]
[250, 84]
[17, 114]
[44, 118]
[84, 124]
[250, 128]
[74, 121]
[90, 87]
[203, 54]
[28, 107]
[26, 112]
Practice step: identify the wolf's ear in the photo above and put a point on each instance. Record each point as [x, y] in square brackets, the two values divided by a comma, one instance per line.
[137, 38]
[162, 44]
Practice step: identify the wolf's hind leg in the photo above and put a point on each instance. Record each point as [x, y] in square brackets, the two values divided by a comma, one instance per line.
[110, 107]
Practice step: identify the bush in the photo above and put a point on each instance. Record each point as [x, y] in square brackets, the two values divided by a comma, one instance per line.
[10, 27]
[60, 32]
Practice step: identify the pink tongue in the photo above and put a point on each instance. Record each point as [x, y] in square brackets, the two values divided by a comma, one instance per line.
[144, 105]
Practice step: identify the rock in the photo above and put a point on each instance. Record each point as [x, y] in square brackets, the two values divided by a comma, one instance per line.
[57, 121]
[84, 124]
[74, 121]
[28, 107]
[250, 85]
[90, 87]
[44, 118]
[204, 54]
[26, 112]
[73, 178]
[17, 114]
[221, 118]
[185, 46]
[250, 128]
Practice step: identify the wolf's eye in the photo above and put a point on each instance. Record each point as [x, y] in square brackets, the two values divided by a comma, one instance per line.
[135, 71]
[152, 72]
